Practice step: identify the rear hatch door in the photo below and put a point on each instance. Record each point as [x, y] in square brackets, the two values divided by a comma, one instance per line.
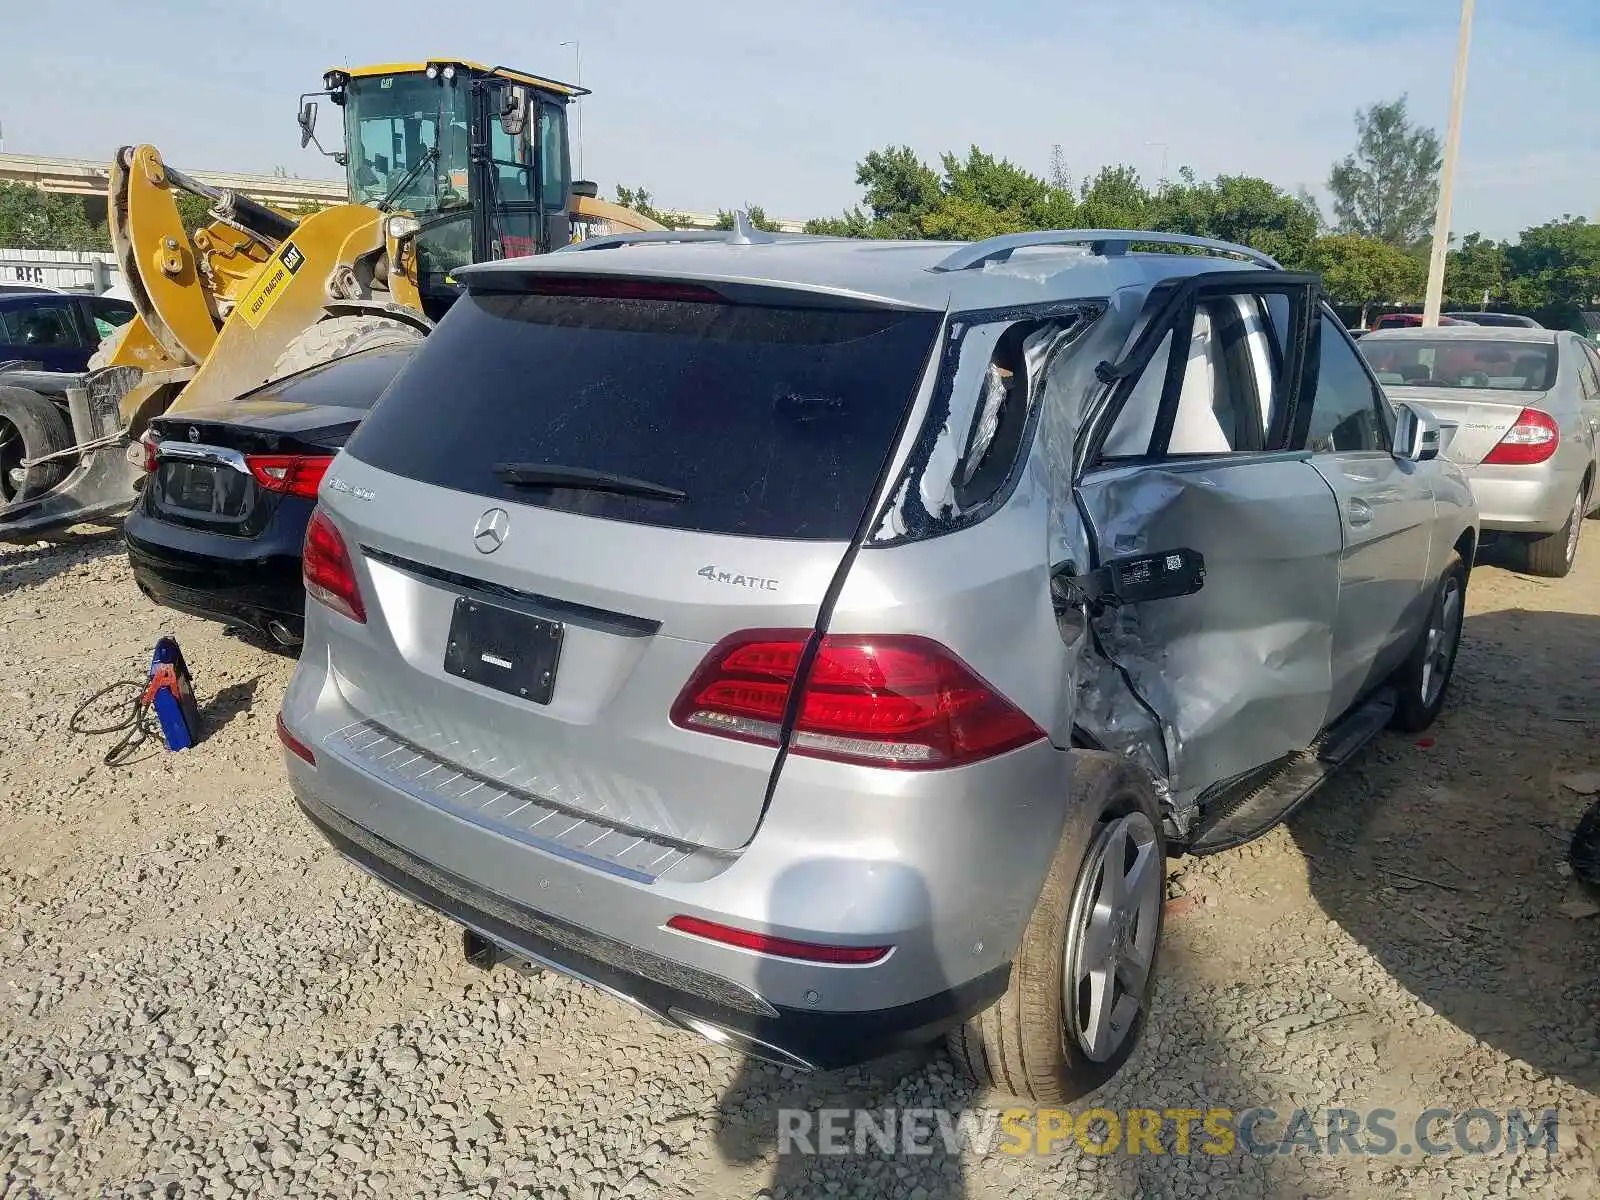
[569, 499]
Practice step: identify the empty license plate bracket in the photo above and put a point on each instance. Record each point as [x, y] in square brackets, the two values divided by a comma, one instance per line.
[500, 648]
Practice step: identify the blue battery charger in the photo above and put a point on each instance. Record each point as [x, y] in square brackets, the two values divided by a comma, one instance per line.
[170, 695]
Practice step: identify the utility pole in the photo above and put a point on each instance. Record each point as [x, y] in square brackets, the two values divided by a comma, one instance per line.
[577, 65]
[1447, 174]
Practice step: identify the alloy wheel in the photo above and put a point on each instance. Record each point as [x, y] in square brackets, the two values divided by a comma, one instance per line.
[1111, 935]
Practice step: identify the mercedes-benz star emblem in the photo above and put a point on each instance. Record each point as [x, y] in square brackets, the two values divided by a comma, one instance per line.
[489, 534]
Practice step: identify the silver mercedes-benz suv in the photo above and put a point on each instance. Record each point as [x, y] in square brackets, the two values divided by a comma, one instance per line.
[823, 643]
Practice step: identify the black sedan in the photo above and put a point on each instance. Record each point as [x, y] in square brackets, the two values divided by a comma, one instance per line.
[221, 516]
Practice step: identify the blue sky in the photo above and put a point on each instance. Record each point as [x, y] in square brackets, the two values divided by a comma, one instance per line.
[712, 105]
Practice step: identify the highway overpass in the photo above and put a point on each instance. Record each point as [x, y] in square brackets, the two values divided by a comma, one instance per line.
[87, 177]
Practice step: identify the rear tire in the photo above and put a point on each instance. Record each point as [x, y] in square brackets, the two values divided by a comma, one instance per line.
[1553, 554]
[1424, 680]
[30, 426]
[340, 336]
[1029, 1043]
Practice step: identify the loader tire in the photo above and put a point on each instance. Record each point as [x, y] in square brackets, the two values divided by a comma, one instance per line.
[30, 426]
[340, 336]
[107, 347]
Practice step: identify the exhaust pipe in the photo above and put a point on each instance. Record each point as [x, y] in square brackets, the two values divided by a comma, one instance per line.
[479, 951]
[282, 634]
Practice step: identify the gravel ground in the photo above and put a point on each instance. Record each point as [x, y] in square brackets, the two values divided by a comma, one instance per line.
[197, 998]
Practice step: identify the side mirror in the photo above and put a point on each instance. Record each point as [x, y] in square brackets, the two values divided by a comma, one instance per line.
[513, 111]
[308, 123]
[1417, 436]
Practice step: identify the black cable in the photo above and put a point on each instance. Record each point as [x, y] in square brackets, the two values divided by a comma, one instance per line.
[134, 725]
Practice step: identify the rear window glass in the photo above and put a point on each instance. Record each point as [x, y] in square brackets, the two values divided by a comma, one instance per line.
[353, 382]
[1462, 362]
[772, 422]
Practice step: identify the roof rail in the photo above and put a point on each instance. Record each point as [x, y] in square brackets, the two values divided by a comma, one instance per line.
[1109, 242]
[743, 233]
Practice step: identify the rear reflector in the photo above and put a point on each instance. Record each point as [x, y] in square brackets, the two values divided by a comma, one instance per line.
[295, 745]
[292, 474]
[1533, 438]
[763, 943]
[895, 701]
[329, 575]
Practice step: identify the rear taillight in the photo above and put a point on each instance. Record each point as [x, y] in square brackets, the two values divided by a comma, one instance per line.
[329, 574]
[1533, 438]
[894, 701]
[293, 474]
[766, 943]
[142, 454]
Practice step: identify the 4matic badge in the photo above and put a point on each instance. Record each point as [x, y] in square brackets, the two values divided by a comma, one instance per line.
[754, 582]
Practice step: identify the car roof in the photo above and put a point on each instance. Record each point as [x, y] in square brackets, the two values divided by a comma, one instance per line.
[901, 274]
[30, 299]
[1481, 333]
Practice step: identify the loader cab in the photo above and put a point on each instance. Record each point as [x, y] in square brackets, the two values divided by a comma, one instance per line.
[478, 155]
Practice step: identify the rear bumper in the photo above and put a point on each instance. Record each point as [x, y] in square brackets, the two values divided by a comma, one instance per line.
[945, 870]
[680, 995]
[239, 581]
[1532, 499]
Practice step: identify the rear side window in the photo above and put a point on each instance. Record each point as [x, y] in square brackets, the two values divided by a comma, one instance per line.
[109, 315]
[45, 323]
[773, 422]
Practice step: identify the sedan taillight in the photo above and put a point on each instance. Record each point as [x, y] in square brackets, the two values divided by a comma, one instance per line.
[1532, 438]
[143, 453]
[292, 474]
[895, 701]
[330, 576]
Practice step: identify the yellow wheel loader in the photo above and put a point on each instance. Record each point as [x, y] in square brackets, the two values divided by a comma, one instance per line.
[447, 162]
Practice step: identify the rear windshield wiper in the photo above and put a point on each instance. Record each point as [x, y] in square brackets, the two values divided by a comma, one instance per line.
[583, 479]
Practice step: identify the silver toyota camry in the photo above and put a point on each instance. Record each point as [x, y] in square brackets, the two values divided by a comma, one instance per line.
[1525, 404]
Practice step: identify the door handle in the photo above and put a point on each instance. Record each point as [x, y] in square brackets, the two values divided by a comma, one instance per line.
[1359, 512]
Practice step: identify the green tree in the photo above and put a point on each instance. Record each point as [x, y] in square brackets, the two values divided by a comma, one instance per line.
[1366, 271]
[1554, 271]
[1113, 199]
[639, 200]
[900, 190]
[32, 219]
[1388, 186]
[1241, 209]
[1475, 271]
